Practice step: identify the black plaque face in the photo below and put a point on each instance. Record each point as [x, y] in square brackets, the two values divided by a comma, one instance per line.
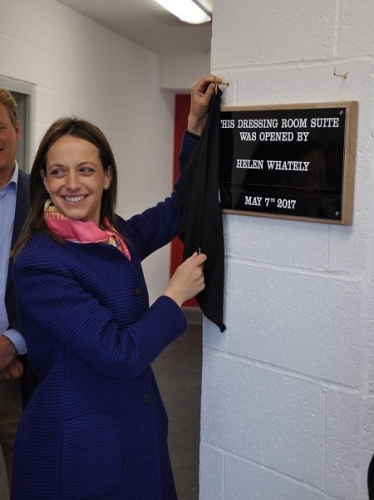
[288, 162]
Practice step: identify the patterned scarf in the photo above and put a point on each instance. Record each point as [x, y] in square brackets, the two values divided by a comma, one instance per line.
[82, 232]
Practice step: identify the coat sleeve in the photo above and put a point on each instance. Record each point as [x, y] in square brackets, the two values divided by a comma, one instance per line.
[54, 304]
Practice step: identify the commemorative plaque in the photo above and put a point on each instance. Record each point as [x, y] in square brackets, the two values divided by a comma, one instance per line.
[293, 161]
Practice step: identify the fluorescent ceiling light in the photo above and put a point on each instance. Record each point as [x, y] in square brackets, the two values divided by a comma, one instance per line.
[186, 10]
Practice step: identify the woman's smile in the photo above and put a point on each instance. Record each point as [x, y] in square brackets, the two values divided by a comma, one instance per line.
[74, 199]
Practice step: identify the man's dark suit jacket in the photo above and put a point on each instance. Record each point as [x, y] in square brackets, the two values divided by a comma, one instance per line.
[22, 208]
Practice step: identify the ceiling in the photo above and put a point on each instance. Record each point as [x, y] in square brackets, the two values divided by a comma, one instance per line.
[148, 24]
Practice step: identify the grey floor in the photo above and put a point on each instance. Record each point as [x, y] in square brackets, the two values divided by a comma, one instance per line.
[178, 372]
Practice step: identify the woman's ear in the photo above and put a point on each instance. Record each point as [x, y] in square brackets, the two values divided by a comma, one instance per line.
[110, 172]
[108, 177]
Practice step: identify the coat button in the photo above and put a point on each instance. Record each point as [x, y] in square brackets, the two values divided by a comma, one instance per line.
[137, 292]
[146, 397]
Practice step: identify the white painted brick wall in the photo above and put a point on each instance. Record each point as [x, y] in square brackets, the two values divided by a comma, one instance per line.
[288, 389]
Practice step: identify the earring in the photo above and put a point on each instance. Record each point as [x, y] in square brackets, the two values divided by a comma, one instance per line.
[106, 186]
[46, 188]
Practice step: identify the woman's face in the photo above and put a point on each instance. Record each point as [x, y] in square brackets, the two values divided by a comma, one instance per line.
[75, 178]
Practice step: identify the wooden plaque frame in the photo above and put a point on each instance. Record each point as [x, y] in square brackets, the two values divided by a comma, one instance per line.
[254, 137]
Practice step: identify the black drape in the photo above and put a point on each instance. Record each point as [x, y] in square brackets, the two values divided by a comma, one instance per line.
[370, 479]
[201, 229]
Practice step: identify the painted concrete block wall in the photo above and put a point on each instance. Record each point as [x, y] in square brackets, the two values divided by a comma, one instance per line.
[288, 389]
[80, 68]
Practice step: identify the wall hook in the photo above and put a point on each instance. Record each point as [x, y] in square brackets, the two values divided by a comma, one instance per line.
[341, 75]
[220, 83]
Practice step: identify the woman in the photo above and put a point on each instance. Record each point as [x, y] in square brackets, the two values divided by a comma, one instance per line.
[96, 427]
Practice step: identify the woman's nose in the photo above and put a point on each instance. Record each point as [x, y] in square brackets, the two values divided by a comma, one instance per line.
[72, 181]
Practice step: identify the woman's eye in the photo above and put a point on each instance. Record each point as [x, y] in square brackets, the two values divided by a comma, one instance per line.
[57, 171]
[86, 170]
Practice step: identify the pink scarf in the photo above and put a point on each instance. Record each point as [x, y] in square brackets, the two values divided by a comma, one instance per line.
[82, 232]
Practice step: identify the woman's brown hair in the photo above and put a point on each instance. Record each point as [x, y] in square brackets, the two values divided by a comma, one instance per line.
[81, 129]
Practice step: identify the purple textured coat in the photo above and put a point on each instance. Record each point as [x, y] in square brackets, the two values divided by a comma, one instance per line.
[96, 427]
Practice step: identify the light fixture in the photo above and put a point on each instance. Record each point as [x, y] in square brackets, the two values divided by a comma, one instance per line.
[187, 11]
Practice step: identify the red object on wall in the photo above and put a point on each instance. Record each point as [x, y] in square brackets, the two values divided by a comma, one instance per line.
[182, 107]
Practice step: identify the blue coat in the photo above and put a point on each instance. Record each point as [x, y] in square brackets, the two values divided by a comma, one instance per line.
[95, 427]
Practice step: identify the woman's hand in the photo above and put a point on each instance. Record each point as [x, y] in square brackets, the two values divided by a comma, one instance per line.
[201, 93]
[188, 279]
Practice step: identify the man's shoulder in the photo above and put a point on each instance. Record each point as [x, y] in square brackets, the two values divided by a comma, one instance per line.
[23, 176]
[23, 186]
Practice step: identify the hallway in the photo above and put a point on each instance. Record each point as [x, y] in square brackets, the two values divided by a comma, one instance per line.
[178, 372]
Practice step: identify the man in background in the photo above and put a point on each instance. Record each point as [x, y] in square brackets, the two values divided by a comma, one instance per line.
[15, 378]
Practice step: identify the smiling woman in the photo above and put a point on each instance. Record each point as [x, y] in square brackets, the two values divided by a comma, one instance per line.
[96, 426]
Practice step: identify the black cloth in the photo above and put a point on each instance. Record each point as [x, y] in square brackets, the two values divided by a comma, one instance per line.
[370, 479]
[201, 228]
